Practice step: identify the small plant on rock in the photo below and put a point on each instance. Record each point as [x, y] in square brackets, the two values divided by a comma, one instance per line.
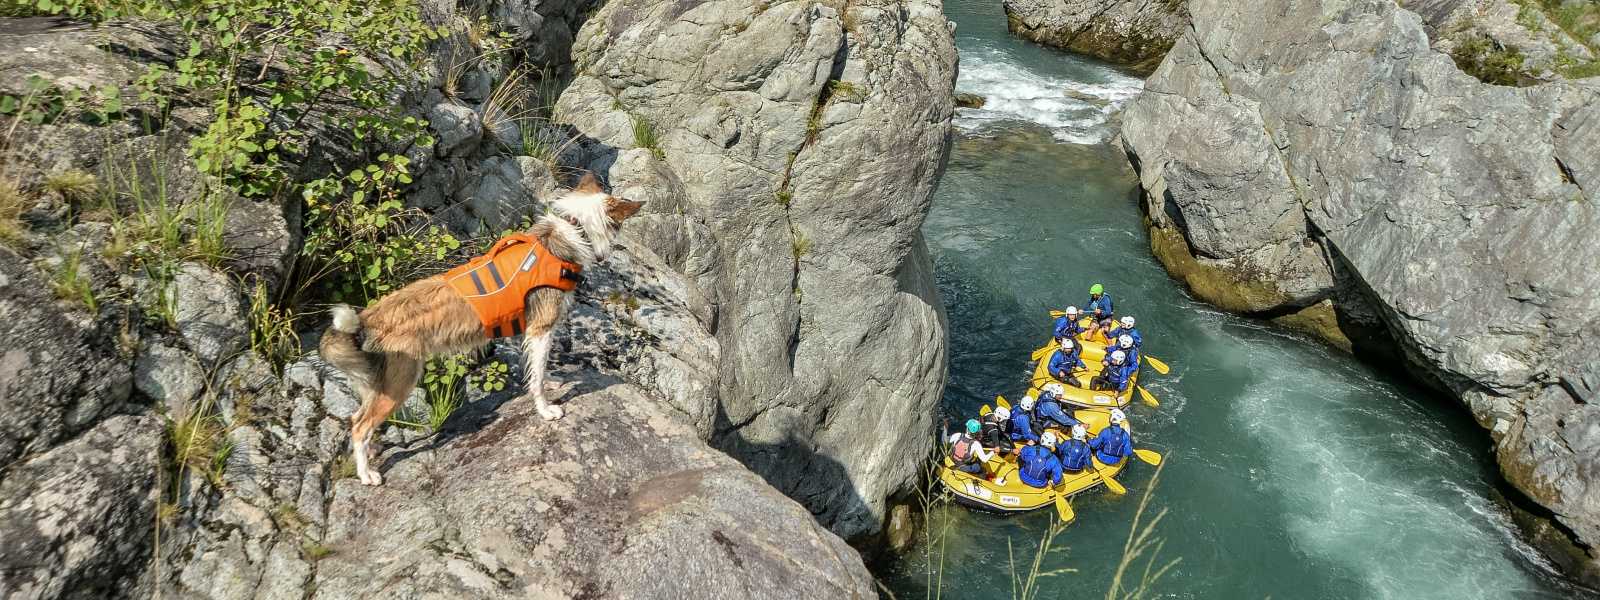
[12, 205]
[74, 185]
[272, 334]
[645, 136]
[70, 283]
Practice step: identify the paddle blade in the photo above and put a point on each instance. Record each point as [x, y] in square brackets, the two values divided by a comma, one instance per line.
[1149, 456]
[984, 412]
[1148, 398]
[1160, 367]
[1000, 401]
[1057, 314]
[1064, 510]
[1112, 484]
[1045, 351]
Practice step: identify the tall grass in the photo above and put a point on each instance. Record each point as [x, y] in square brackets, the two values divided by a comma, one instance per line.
[272, 334]
[12, 205]
[70, 282]
[1138, 570]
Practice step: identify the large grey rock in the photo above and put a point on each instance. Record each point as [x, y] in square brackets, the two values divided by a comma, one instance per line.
[459, 128]
[800, 144]
[618, 500]
[1323, 150]
[508, 190]
[210, 313]
[1137, 34]
[59, 374]
[169, 376]
[77, 519]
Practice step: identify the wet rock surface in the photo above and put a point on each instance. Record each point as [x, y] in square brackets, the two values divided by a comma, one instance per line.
[1136, 34]
[1299, 154]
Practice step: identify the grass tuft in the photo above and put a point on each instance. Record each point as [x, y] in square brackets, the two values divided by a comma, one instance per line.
[645, 136]
[272, 334]
[12, 204]
[70, 283]
[74, 185]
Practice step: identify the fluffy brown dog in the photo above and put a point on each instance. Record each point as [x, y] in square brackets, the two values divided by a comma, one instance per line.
[524, 282]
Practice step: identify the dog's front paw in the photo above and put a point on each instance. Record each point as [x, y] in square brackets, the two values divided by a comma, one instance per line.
[371, 477]
[550, 412]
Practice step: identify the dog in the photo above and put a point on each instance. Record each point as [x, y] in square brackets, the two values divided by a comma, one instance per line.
[522, 285]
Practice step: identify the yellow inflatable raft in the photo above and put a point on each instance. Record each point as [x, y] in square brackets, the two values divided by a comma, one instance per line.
[1080, 394]
[1011, 494]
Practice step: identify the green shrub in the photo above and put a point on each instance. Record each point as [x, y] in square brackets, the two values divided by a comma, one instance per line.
[645, 136]
[1487, 60]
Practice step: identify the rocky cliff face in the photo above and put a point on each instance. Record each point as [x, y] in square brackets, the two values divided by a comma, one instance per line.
[1136, 34]
[1322, 159]
[808, 343]
[789, 153]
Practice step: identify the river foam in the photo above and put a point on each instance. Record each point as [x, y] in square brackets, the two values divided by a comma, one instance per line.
[1370, 482]
[1076, 110]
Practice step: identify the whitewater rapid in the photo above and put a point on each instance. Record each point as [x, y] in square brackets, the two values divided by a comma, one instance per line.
[1076, 110]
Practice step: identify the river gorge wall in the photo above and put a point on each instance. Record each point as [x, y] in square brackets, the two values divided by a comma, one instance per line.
[748, 380]
[1327, 164]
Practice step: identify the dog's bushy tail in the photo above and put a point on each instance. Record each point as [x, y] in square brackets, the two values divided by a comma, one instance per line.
[340, 348]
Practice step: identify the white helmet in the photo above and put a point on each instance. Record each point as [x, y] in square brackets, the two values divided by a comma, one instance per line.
[1125, 340]
[1048, 439]
[1079, 432]
[1066, 343]
[1127, 322]
[1072, 311]
[1054, 389]
[1027, 403]
[1119, 356]
[1117, 418]
[1002, 413]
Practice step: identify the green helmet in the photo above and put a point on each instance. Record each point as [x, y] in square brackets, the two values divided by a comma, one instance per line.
[1097, 289]
[973, 426]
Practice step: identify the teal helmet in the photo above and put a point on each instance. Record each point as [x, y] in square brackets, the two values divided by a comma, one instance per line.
[973, 426]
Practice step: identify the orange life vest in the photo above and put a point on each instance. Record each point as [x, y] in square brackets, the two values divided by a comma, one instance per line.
[497, 283]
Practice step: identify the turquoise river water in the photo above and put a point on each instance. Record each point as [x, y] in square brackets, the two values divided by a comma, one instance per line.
[1293, 471]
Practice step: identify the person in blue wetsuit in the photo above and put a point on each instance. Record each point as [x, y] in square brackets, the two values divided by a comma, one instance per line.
[1127, 346]
[1125, 327]
[1065, 362]
[1099, 309]
[1022, 422]
[1117, 374]
[1075, 452]
[1049, 412]
[1067, 326]
[1113, 443]
[1037, 464]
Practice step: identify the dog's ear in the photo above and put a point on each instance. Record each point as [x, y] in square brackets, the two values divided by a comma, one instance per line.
[621, 208]
[589, 184]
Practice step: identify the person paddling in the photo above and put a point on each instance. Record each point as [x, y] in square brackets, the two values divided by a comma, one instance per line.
[1099, 309]
[1075, 452]
[1067, 327]
[996, 431]
[966, 451]
[1049, 413]
[1128, 347]
[1113, 443]
[1066, 362]
[1116, 375]
[1021, 422]
[1125, 328]
[1038, 464]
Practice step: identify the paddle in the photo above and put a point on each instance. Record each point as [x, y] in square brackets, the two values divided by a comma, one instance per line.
[1045, 351]
[984, 412]
[1149, 456]
[1148, 398]
[1159, 366]
[1000, 401]
[1063, 509]
[1111, 484]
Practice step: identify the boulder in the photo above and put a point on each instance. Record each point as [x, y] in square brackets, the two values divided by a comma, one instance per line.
[617, 500]
[210, 313]
[1136, 34]
[1324, 152]
[169, 376]
[458, 128]
[799, 145]
[77, 519]
[59, 373]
